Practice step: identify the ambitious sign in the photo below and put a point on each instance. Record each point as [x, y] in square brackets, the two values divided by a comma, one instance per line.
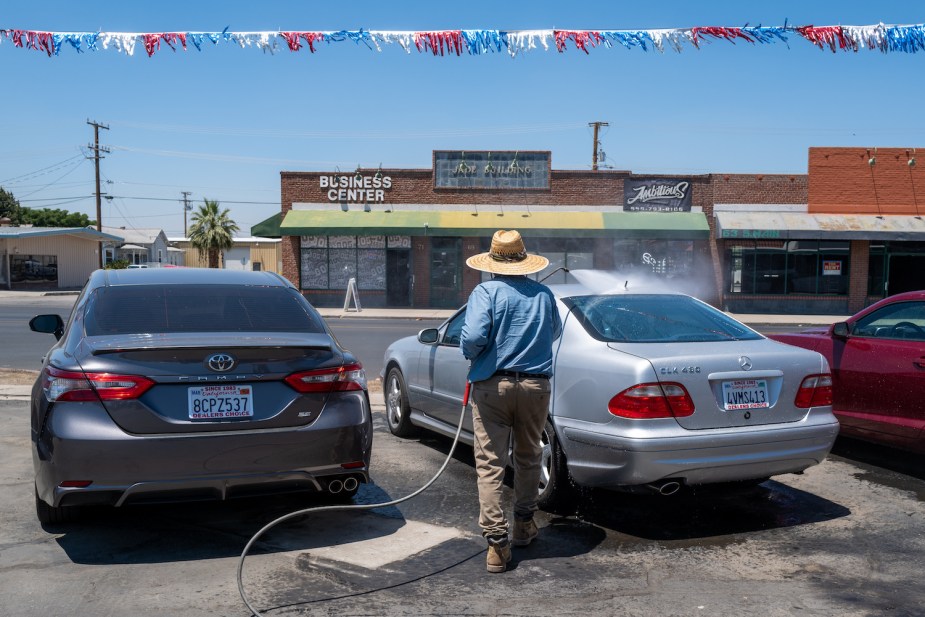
[491, 170]
[356, 189]
[657, 195]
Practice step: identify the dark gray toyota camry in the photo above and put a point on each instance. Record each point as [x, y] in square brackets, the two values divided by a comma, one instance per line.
[187, 384]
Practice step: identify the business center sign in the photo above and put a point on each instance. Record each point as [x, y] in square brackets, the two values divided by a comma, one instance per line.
[357, 188]
[657, 195]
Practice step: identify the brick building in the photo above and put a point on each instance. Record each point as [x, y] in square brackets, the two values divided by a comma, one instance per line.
[830, 241]
[834, 241]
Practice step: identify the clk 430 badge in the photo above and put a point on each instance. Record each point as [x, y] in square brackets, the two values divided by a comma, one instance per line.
[676, 370]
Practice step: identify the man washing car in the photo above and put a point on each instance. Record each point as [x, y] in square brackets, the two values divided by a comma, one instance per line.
[511, 323]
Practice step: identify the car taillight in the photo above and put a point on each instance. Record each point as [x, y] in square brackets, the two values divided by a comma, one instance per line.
[336, 379]
[62, 385]
[815, 391]
[652, 400]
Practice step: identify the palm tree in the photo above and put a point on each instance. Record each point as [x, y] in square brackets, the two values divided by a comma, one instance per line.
[212, 231]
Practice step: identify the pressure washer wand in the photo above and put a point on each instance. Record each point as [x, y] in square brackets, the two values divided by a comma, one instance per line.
[562, 268]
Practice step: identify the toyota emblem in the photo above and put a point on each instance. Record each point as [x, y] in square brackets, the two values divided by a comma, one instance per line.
[220, 362]
[745, 362]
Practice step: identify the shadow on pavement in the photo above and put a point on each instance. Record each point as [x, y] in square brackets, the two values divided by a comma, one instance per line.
[209, 530]
[719, 512]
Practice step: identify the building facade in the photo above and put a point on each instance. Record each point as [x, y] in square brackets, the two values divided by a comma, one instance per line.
[855, 234]
[245, 254]
[831, 241]
[46, 258]
[403, 235]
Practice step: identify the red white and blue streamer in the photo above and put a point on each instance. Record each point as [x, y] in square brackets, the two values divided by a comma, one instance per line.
[879, 37]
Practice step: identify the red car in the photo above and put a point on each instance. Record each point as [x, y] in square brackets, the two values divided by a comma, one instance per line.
[877, 359]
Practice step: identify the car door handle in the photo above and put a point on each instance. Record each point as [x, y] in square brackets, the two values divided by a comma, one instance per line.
[920, 362]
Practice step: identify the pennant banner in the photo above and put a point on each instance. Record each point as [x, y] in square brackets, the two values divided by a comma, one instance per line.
[880, 37]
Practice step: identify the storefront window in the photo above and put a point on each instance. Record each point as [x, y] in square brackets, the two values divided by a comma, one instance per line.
[791, 267]
[895, 267]
[660, 258]
[329, 262]
[876, 269]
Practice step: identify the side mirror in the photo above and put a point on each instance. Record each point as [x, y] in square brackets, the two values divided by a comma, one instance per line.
[428, 336]
[840, 329]
[48, 324]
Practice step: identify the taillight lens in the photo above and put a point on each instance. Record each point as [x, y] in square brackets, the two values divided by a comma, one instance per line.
[337, 379]
[62, 385]
[652, 400]
[815, 391]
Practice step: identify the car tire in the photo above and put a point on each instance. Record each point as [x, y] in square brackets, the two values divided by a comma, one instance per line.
[397, 408]
[557, 490]
[50, 515]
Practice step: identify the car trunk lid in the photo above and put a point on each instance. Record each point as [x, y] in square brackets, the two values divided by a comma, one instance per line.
[219, 382]
[732, 384]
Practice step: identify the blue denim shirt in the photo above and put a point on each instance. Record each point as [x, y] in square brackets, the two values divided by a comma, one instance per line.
[511, 323]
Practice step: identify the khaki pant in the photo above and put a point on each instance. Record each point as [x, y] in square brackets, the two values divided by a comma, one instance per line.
[502, 408]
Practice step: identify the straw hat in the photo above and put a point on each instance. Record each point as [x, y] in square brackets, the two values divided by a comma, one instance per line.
[507, 256]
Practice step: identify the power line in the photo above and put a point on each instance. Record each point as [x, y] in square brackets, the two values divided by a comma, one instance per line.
[289, 133]
[221, 201]
[66, 174]
[43, 170]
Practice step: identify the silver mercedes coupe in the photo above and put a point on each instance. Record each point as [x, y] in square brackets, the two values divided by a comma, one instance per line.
[651, 392]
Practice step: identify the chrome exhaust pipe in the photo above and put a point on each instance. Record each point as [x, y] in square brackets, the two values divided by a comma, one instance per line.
[335, 486]
[669, 487]
[350, 484]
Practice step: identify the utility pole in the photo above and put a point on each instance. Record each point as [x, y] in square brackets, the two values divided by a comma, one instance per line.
[597, 127]
[95, 146]
[186, 208]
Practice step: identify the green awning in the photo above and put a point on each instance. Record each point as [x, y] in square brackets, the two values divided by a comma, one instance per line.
[562, 223]
[268, 228]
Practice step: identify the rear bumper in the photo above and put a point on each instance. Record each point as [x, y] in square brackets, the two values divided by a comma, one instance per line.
[612, 460]
[80, 442]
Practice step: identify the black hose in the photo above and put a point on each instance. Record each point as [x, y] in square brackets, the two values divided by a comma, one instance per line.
[368, 506]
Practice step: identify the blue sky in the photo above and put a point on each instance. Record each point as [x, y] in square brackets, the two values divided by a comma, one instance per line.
[222, 123]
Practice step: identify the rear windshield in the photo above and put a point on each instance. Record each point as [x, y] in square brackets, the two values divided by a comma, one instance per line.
[655, 318]
[143, 309]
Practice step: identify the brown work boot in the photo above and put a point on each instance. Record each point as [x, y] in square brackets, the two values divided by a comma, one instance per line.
[499, 554]
[524, 532]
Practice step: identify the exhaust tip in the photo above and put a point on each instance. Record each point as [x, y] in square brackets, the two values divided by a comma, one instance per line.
[350, 484]
[669, 488]
[335, 486]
